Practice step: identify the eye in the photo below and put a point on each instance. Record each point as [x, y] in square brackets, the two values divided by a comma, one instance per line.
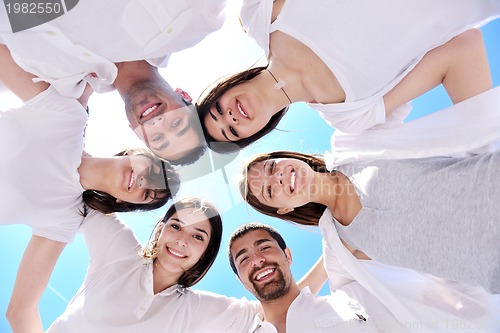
[150, 194]
[243, 259]
[157, 137]
[175, 226]
[176, 123]
[271, 167]
[198, 237]
[269, 191]
[217, 107]
[233, 132]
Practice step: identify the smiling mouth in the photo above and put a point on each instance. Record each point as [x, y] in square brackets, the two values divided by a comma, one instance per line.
[240, 109]
[264, 274]
[151, 111]
[176, 253]
[292, 180]
[131, 181]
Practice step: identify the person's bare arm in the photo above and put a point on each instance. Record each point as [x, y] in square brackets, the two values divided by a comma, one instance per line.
[315, 278]
[33, 275]
[16, 79]
[461, 65]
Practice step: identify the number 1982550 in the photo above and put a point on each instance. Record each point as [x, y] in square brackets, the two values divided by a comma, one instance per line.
[33, 8]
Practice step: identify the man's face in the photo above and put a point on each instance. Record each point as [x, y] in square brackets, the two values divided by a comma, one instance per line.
[160, 117]
[262, 266]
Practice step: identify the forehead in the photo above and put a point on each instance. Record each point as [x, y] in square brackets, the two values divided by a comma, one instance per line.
[191, 216]
[250, 240]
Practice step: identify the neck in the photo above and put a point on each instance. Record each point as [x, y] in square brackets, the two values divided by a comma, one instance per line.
[94, 173]
[346, 203]
[162, 279]
[290, 82]
[132, 72]
[275, 311]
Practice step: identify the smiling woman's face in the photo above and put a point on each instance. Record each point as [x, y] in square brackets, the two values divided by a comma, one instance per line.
[136, 178]
[183, 240]
[281, 182]
[240, 113]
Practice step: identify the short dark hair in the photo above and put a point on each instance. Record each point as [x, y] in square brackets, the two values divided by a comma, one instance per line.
[198, 271]
[242, 230]
[106, 203]
[204, 104]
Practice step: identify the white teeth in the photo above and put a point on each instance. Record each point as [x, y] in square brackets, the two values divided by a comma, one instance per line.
[148, 111]
[175, 253]
[264, 274]
[241, 110]
[292, 182]
[132, 179]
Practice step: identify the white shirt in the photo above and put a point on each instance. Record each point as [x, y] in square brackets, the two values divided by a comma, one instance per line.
[95, 34]
[309, 313]
[419, 302]
[117, 294]
[471, 126]
[370, 46]
[41, 145]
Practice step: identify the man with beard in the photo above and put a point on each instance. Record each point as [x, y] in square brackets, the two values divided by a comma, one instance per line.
[119, 44]
[261, 260]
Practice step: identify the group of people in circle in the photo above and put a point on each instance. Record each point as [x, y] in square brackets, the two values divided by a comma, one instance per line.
[407, 210]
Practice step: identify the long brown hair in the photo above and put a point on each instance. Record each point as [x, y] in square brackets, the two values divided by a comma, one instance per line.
[107, 204]
[198, 271]
[308, 214]
[205, 102]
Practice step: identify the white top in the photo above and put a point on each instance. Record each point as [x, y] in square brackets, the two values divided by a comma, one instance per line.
[117, 294]
[469, 127]
[412, 297]
[310, 313]
[42, 145]
[369, 46]
[95, 34]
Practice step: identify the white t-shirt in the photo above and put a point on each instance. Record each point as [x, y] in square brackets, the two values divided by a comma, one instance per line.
[369, 46]
[42, 145]
[117, 294]
[310, 313]
[469, 127]
[95, 34]
[419, 302]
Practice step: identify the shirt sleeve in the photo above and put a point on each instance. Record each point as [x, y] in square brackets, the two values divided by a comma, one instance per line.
[218, 313]
[108, 239]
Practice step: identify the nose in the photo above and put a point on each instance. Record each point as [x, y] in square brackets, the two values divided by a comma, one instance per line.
[155, 122]
[257, 260]
[278, 177]
[230, 118]
[181, 240]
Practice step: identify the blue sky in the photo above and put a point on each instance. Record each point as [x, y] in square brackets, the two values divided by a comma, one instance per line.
[296, 133]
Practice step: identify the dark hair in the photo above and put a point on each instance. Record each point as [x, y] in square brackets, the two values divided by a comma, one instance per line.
[194, 154]
[308, 214]
[106, 203]
[205, 103]
[242, 230]
[198, 271]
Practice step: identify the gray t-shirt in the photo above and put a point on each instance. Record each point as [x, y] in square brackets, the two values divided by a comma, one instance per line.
[437, 215]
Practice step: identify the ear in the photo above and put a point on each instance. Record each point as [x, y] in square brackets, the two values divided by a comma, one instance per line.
[184, 95]
[288, 256]
[119, 201]
[283, 211]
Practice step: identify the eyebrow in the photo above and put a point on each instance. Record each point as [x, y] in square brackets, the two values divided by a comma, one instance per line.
[222, 131]
[183, 223]
[255, 244]
[263, 185]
